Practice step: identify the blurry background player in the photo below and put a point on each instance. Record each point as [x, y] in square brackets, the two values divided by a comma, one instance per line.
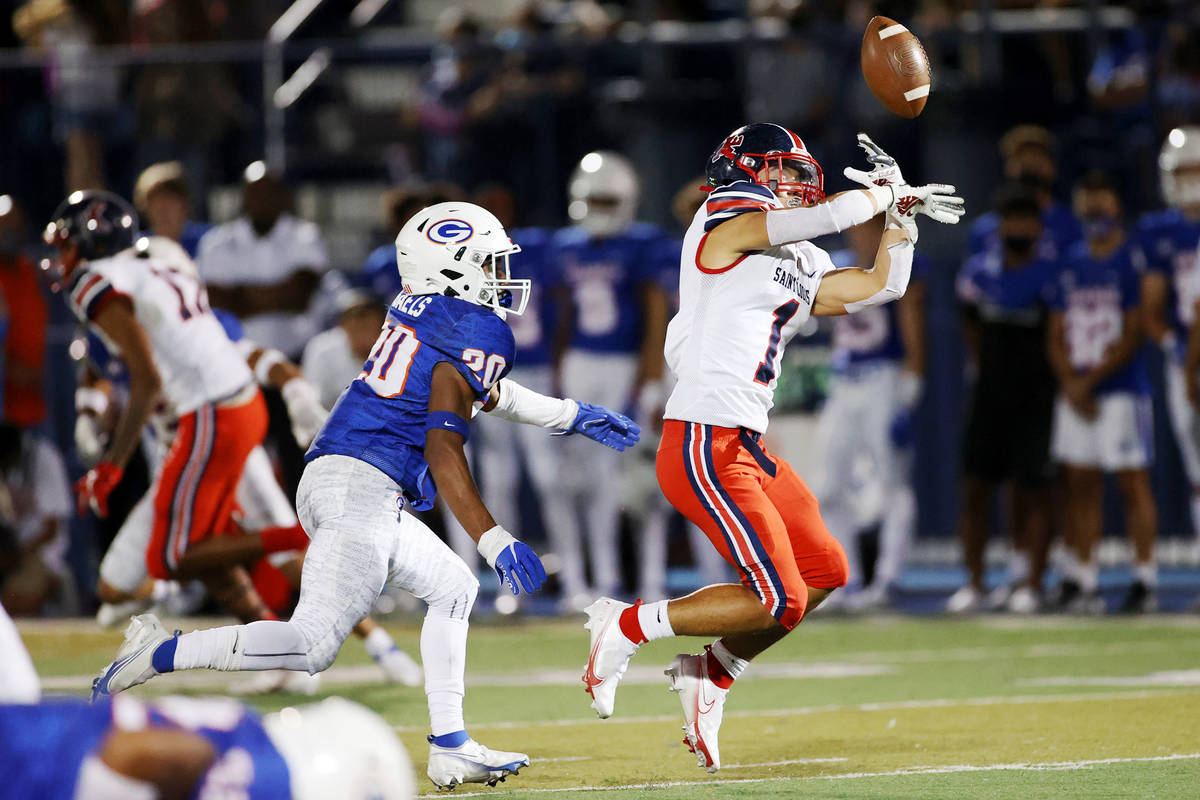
[35, 506]
[1102, 419]
[611, 265]
[334, 357]
[203, 748]
[1029, 153]
[878, 355]
[161, 195]
[1007, 440]
[1171, 242]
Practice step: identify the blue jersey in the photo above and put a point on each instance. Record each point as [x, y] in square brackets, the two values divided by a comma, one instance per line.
[604, 276]
[873, 334]
[44, 745]
[1170, 242]
[1094, 296]
[380, 275]
[1060, 230]
[380, 417]
[231, 324]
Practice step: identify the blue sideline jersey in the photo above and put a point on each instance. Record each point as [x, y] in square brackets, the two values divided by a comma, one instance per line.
[1060, 230]
[380, 275]
[1170, 242]
[603, 276]
[44, 745]
[873, 334]
[380, 417]
[532, 330]
[1094, 296]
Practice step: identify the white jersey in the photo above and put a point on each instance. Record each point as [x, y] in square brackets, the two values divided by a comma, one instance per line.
[195, 359]
[726, 342]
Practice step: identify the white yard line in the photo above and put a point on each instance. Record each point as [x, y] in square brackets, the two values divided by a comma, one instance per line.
[787, 762]
[921, 770]
[804, 710]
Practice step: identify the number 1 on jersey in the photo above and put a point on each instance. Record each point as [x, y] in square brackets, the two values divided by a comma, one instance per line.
[783, 314]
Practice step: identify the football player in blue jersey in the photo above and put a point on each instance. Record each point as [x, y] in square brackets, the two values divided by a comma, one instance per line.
[1102, 419]
[201, 748]
[394, 441]
[1029, 159]
[1007, 437]
[611, 265]
[877, 353]
[1171, 290]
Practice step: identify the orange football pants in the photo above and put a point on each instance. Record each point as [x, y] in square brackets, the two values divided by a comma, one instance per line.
[197, 485]
[755, 510]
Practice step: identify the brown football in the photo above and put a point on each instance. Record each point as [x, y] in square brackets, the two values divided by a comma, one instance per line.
[895, 66]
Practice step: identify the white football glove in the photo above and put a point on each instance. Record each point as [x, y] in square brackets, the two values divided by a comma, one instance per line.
[935, 200]
[304, 409]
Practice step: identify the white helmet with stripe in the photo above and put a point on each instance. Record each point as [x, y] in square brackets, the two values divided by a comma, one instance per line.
[604, 192]
[1179, 168]
[460, 250]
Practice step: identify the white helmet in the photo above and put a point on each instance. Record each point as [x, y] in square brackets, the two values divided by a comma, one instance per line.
[1179, 167]
[338, 750]
[604, 193]
[460, 250]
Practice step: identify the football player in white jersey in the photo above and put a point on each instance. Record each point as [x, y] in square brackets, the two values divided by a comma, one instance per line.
[749, 278]
[156, 317]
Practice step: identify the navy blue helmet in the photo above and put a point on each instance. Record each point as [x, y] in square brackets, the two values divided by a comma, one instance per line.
[747, 150]
[98, 223]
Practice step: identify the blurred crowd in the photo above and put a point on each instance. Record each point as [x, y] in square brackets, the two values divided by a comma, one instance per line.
[556, 119]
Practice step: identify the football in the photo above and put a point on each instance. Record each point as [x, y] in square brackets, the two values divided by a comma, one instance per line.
[895, 66]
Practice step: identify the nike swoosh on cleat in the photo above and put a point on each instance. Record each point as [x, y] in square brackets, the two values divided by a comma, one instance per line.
[590, 679]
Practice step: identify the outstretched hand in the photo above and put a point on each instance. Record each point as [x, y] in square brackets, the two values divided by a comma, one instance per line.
[609, 428]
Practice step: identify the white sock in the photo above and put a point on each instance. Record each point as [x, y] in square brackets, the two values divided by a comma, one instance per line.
[378, 642]
[444, 657]
[733, 665]
[1089, 576]
[1018, 567]
[652, 617]
[268, 644]
[1147, 573]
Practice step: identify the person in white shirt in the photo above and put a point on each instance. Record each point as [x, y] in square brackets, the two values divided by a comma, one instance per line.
[265, 266]
[334, 357]
[35, 502]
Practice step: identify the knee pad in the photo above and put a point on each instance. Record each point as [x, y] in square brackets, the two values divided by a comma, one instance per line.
[793, 612]
[320, 646]
[455, 597]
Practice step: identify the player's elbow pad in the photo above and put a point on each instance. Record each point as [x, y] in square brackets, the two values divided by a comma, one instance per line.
[515, 403]
[900, 256]
[785, 225]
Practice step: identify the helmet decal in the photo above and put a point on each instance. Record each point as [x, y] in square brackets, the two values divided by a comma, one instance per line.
[449, 231]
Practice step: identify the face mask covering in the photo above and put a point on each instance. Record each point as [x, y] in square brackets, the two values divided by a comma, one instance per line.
[1019, 245]
[1099, 227]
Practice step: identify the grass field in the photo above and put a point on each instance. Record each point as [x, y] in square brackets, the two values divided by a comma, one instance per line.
[882, 707]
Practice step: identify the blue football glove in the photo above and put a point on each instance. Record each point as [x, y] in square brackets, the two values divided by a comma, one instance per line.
[603, 425]
[517, 566]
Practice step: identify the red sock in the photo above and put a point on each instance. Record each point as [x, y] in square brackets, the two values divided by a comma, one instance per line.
[280, 540]
[630, 626]
[716, 670]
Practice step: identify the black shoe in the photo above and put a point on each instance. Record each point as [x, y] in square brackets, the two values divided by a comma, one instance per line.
[1140, 599]
[1068, 590]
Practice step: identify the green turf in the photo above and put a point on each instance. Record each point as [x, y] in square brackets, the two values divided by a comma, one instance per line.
[943, 695]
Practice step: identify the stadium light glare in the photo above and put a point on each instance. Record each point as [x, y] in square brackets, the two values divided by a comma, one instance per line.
[1177, 137]
[591, 162]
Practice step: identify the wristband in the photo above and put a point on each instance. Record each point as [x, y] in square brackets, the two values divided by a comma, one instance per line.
[448, 421]
[262, 368]
[493, 542]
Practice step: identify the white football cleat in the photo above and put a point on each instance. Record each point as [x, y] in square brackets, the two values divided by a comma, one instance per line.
[703, 706]
[609, 656]
[471, 762]
[400, 667]
[110, 615]
[967, 600]
[1024, 600]
[134, 658]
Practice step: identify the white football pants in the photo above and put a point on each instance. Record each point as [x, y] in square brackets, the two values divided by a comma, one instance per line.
[854, 433]
[18, 679]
